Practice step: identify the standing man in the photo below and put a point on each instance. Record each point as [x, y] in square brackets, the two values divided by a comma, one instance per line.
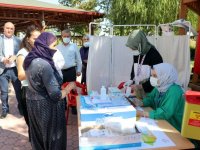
[9, 46]
[71, 54]
[84, 50]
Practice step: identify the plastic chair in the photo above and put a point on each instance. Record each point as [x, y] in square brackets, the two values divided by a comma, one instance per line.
[71, 97]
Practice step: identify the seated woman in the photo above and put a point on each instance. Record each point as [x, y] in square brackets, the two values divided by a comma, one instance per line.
[166, 99]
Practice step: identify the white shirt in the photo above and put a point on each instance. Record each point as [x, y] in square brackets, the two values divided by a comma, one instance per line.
[59, 61]
[24, 53]
[71, 56]
[9, 50]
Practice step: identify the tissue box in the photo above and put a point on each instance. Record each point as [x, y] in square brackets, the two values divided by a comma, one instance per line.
[117, 142]
[108, 142]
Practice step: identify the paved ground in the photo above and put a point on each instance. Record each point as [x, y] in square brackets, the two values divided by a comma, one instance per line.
[13, 130]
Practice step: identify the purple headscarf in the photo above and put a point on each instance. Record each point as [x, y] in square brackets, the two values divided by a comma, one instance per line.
[41, 50]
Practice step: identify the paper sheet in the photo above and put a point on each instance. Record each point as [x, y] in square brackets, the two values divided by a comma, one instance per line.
[150, 127]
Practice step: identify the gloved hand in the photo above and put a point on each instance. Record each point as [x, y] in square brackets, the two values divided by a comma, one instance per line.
[140, 113]
[128, 83]
[137, 102]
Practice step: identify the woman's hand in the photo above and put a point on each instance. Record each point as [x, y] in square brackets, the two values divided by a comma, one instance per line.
[137, 102]
[128, 83]
[136, 86]
[140, 113]
[70, 86]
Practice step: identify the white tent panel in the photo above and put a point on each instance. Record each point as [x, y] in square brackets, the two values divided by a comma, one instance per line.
[122, 60]
[110, 61]
[175, 50]
[99, 63]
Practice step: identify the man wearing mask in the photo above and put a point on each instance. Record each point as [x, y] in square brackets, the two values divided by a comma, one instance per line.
[84, 50]
[145, 55]
[9, 46]
[71, 54]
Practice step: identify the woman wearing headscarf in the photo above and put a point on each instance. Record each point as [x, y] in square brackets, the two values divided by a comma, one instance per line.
[145, 56]
[45, 104]
[166, 99]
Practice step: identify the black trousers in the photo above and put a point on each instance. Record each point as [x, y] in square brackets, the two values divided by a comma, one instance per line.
[24, 107]
[69, 74]
[84, 69]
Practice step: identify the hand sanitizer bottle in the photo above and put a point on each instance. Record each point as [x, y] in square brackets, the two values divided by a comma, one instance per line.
[103, 92]
[128, 91]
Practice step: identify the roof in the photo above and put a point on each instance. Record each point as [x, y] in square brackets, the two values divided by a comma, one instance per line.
[25, 12]
[194, 5]
[38, 5]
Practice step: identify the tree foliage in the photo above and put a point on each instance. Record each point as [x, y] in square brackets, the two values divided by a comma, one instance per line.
[126, 12]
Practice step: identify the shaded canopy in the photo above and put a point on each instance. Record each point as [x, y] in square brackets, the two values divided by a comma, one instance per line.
[194, 5]
[25, 12]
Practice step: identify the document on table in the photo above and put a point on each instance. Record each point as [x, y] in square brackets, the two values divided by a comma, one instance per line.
[152, 135]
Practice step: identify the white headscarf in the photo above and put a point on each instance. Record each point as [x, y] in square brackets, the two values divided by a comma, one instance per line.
[167, 75]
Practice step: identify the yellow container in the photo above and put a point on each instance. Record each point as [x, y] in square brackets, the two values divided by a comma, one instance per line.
[191, 117]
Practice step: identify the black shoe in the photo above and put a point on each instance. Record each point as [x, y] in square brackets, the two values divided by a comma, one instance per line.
[74, 110]
[3, 115]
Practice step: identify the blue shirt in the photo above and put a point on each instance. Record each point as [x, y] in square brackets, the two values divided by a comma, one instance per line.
[71, 56]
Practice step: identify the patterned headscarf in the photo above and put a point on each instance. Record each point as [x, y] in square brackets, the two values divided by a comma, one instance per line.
[167, 75]
[136, 39]
[41, 50]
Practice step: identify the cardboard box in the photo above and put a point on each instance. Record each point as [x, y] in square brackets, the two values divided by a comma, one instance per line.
[117, 107]
[112, 142]
[113, 121]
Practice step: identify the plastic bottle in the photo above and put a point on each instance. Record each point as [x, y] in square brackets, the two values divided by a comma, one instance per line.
[103, 92]
[128, 91]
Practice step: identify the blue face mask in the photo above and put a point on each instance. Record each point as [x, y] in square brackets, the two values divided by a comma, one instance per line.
[86, 44]
[66, 40]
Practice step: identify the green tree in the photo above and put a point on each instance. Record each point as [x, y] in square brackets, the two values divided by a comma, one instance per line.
[127, 12]
[143, 11]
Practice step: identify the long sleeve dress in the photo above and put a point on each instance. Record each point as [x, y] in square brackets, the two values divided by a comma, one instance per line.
[152, 57]
[168, 106]
[45, 106]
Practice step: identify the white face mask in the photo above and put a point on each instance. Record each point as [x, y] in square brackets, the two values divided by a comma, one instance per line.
[154, 81]
[136, 52]
[66, 40]
[86, 44]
